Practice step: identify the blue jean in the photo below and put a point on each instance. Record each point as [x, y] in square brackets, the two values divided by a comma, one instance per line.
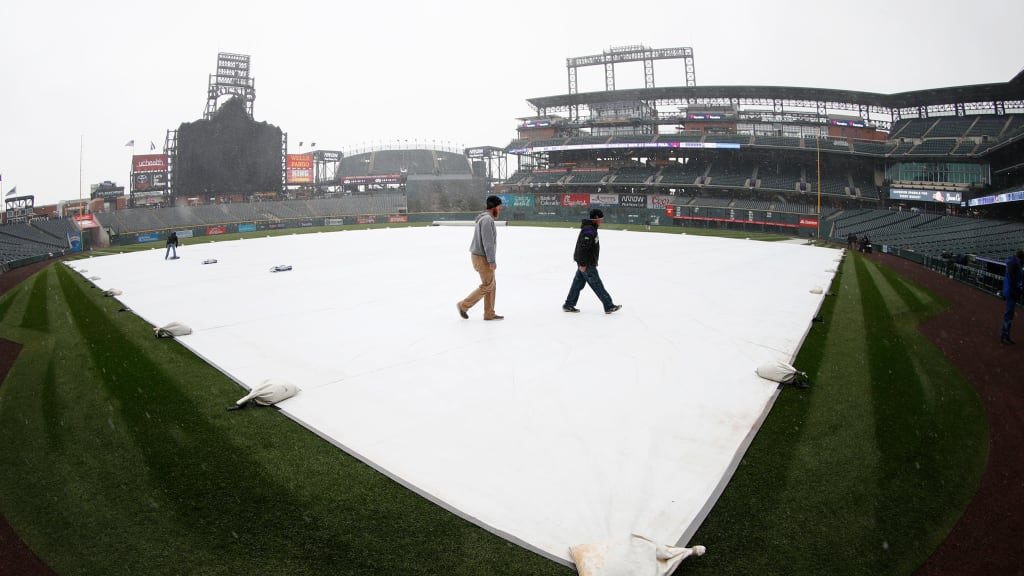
[171, 249]
[592, 278]
[1011, 307]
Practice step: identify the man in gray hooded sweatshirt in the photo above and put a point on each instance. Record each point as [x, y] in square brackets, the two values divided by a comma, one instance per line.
[483, 251]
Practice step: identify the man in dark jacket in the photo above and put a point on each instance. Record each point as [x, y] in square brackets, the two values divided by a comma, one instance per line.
[172, 246]
[1011, 292]
[588, 250]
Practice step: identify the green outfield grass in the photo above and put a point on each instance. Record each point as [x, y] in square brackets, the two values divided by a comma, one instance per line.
[119, 458]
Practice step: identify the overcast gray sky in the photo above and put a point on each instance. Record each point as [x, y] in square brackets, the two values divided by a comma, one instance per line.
[342, 74]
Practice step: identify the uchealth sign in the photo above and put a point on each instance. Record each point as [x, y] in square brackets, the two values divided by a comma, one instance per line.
[149, 163]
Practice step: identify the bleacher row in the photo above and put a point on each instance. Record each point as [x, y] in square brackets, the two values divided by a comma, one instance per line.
[929, 234]
[716, 174]
[37, 239]
[943, 136]
[414, 162]
[178, 217]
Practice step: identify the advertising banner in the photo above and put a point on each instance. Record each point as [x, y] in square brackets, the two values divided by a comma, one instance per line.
[299, 168]
[520, 201]
[925, 195]
[246, 227]
[334, 222]
[149, 237]
[549, 200]
[85, 221]
[604, 199]
[74, 241]
[575, 200]
[633, 200]
[306, 224]
[658, 202]
[215, 230]
[380, 179]
[808, 222]
[366, 219]
[398, 218]
[149, 163]
[184, 233]
[158, 180]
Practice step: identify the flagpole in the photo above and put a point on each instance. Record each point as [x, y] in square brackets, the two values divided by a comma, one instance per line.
[81, 145]
[818, 142]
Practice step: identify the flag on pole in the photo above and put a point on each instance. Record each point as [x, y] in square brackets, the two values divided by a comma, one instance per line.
[152, 146]
[12, 191]
[130, 143]
[313, 144]
[300, 143]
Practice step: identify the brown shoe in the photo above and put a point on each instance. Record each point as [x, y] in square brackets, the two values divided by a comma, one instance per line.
[495, 317]
[461, 311]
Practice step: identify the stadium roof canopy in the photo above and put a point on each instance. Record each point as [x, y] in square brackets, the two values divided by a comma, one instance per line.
[1012, 91]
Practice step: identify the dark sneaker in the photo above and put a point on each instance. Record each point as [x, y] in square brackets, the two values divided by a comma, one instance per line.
[1006, 340]
[495, 317]
[461, 311]
[615, 308]
[568, 308]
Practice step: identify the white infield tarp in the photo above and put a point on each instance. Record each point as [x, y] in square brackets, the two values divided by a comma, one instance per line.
[551, 429]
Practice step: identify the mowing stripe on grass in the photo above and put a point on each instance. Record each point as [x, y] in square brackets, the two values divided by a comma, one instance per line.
[929, 428]
[36, 314]
[772, 505]
[214, 486]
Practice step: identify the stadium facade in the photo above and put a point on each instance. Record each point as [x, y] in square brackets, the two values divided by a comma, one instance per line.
[766, 157]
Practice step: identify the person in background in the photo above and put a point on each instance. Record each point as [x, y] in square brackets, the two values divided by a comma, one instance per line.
[482, 251]
[588, 250]
[1011, 292]
[172, 246]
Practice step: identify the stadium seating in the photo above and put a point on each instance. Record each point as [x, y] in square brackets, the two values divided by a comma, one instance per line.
[902, 148]
[931, 234]
[136, 220]
[450, 163]
[988, 125]
[631, 138]
[934, 147]
[742, 139]
[547, 142]
[547, 177]
[59, 228]
[871, 147]
[912, 128]
[681, 174]
[729, 175]
[965, 147]
[950, 126]
[779, 176]
[777, 141]
[587, 177]
[578, 140]
[358, 165]
[633, 175]
[685, 136]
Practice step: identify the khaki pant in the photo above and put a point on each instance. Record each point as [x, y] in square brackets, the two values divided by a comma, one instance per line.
[487, 290]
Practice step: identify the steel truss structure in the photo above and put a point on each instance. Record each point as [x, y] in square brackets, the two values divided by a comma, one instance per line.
[621, 54]
[231, 79]
[878, 110]
[495, 161]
